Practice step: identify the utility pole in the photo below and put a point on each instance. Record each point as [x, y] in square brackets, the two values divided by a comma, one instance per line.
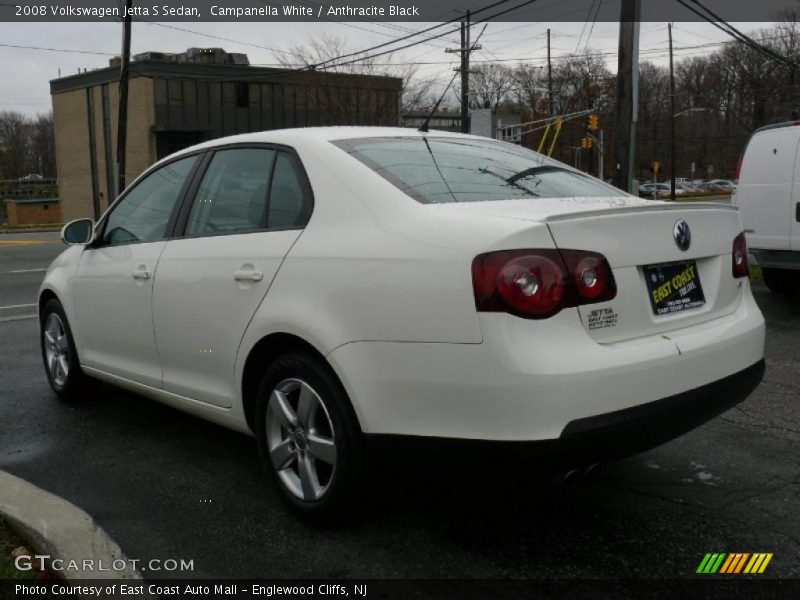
[122, 115]
[465, 50]
[627, 93]
[549, 77]
[465, 74]
[671, 118]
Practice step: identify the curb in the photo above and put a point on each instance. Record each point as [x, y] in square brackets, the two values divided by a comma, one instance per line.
[61, 530]
[31, 230]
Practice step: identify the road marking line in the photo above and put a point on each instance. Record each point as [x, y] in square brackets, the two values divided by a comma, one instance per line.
[18, 306]
[19, 318]
[28, 270]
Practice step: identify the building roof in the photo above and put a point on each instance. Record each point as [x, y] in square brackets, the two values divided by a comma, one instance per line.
[211, 72]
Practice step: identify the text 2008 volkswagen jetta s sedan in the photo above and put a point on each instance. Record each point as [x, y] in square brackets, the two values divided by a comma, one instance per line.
[329, 288]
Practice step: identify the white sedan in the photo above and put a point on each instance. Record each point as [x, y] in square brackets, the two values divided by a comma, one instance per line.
[332, 290]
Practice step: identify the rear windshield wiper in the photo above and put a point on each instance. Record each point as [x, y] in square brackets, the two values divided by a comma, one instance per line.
[510, 181]
[534, 171]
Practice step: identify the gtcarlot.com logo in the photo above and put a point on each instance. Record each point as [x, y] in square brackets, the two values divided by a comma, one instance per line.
[734, 563]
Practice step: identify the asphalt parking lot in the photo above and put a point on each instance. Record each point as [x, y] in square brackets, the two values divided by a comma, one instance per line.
[167, 485]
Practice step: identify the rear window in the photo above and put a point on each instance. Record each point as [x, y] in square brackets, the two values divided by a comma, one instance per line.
[442, 170]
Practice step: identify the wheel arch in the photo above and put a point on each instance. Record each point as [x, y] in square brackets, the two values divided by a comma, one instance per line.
[263, 353]
[45, 295]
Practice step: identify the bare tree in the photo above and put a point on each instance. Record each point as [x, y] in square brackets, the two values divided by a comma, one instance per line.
[14, 141]
[43, 145]
[490, 85]
[324, 49]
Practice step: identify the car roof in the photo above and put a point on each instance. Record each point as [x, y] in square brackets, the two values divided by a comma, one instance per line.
[322, 134]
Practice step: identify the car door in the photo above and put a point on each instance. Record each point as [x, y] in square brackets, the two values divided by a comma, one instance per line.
[114, 285]
[247, 211]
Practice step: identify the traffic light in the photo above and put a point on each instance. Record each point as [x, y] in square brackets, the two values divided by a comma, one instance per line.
[583, 143]
[594, 122]
[586, 143]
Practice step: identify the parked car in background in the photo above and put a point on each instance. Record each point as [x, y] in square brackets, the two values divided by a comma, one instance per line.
[768, 197]
[333, 291]
[725, 184]
[32, 177]
[661, 190]
[684, 187]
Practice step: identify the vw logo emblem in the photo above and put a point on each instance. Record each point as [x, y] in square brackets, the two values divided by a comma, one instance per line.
[682, 234]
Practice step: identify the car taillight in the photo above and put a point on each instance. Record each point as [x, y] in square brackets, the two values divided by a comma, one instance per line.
[739, 257]
[738, 169]
[537, 284]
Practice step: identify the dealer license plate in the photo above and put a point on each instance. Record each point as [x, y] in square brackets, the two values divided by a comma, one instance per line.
[674, 287]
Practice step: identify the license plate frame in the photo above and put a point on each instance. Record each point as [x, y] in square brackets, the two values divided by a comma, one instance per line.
[667, 285]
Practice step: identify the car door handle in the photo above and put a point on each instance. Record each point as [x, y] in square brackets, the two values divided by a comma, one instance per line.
[248, 275]
[141, 272]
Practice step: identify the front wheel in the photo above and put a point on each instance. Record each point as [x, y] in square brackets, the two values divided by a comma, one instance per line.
[308, 437]
[59, 354]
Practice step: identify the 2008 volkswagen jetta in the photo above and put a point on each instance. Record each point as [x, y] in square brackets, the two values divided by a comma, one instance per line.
[328, 288]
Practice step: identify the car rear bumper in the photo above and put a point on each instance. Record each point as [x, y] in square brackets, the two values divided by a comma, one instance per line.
[598, 438]
[533, 380]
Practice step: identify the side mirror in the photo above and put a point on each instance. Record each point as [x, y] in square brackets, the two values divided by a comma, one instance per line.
[78, 232]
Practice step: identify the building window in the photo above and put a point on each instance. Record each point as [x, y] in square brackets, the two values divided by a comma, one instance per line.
[242, 95]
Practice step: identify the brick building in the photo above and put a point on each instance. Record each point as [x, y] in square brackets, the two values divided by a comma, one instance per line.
[178, 100]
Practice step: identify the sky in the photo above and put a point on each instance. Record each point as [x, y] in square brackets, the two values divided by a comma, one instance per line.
[67, 47]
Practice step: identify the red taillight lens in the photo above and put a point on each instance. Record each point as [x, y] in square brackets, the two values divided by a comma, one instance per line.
[591, 274]
[739, 257]
[531, 285]
[537, 284]
[738, 169]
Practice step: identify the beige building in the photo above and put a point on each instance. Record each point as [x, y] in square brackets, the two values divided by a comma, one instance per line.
[179, 100]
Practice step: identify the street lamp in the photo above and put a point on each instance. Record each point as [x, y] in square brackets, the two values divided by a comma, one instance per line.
[672, 144]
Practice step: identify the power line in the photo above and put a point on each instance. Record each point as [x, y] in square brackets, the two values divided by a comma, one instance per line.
[67, 50]
[723, 25]
[224, 39]
[594, 22]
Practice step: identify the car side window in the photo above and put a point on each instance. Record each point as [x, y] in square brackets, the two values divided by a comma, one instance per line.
[289, 202]
[144, 213]
[232, 196]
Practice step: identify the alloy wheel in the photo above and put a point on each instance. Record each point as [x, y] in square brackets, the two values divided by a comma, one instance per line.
[300, 439]
[56, 349]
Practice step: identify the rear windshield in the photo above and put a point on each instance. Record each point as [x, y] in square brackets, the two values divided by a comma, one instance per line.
[441, 170]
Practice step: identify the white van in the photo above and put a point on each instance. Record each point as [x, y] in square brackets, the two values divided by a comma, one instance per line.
[768, 197]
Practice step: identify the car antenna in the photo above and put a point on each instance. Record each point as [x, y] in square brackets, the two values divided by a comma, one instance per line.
[424, 127]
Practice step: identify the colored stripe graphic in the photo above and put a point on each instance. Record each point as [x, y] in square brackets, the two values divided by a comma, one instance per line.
[758, 563]
[711, 562]
[734, 563]
[728, 562]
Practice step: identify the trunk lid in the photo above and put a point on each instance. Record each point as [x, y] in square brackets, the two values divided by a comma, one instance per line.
[635, 234]
[640, 244]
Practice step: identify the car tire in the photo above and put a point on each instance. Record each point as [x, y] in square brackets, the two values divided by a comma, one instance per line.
[60, 358]
[309, 440]
[781, 281]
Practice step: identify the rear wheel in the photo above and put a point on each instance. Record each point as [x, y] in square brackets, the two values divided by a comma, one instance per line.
[59, 354]
[781, 281]
[308, 437]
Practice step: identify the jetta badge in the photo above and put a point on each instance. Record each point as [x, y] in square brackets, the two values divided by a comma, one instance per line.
[682, 234]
